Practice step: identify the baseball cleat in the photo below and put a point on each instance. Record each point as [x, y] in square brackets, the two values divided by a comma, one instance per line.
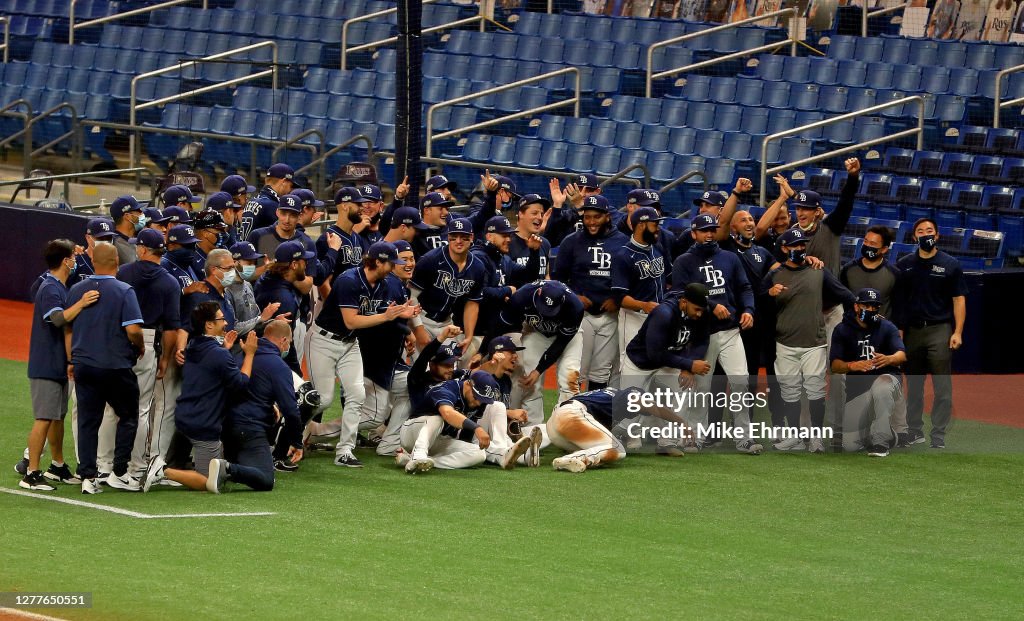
[790, 444]
[34, 481]
[22, 466]
[670, 451]
[938, 444]
[569, 463]
[512, 455]
[218, 477]
[815, 445]
[536, 440]
[401, 458]
[416, 466]
[154, 472]
[347, 460]
[749, 447]
[879, 451]
[91, 486]
[285, 465]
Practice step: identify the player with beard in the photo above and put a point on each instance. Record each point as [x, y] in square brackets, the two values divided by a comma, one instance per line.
[638, 274]
[350, 253]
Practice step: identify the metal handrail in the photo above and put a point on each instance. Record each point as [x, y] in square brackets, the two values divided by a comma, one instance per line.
[390, 40]
[324, 155]
[8, 110]
[625, 171]
[135, 107]
[7, 36]
[366, 18]
[999, 104]
[74, 133]
[545, 172]
[66, 178]
[72, 26]
[498, 89]
[918, 131]
[683, 178]
[791, 41]
[865, 14]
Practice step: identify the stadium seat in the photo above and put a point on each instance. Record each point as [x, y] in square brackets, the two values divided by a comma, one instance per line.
[697, 88]
[771, 67]
[702, 115]
[662, 166]
[600, 133]
[852, 73]
[926, 163]
[682, 140]
[868, 49]
[896, 51]
[709, 144]
[606, 161]
[824, 71]
[655, 138]
[804, 96]
[755, 120]
[897, 160]
[629, 135]
[749, 92]
[554, 155]
[796, 69]
[673, 112]
[880, 76]
[980, 57]
[581, 159]
[776, 95]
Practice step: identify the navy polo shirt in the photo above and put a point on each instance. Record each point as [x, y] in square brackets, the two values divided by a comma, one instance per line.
[47, 358]
[98, 338]
[191, 301]
[851, 342]
[927, 288]
[442, 284]
[157, 292]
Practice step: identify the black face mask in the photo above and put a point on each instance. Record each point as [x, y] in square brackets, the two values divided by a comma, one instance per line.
[649, 237]
[743, 239]
[182, 256]
[870, 253]
[798, 255]
[926, 242]
[705, 249]
[868, 316]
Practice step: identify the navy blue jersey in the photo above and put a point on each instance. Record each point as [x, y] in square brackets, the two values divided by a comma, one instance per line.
[926, 288]
[83, 268]
[348, 256]
[353, 290]
[520, 312]
[157, 292]
[447, 393]
[851, 342]
[382, 346]
[584, 263]
[370, 237]
[420, 380]
[210, 375]
[519, 252]
[501, 272]
[639, 271]
[563, 222]
[182, 271]
[723, 274]
[98, 338]
[669, 339]
[192, 300]
[260, 211]
[431, 238]
[666, 242]
[270, 384]
[47, 358]
[199, 262]
[442, 285]
[608, 405]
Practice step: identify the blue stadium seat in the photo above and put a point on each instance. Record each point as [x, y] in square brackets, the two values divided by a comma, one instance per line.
[722, 90]
[860, 98]
[631, 157]
[804, 96]
[728, 118]
[967, 196]
[981, 57]
[682, 140]
[736, 146]
[934, 80]
[770, 67]
[874, 186]
[701, 115]
[780, 120]
[662, 166]
[937, 192]
[833, 98]
[690, 163]
[581, 159]
[964, 81]
[709, 144]
[897, 51]
[697, 88]
[503, 149]
[923, 52]
[622, 108]
[998, 198]
[578, 131]
[606, 161]
[956, 165]
[880, 76]
[601, 133]
[897, 159]
[749, 92]
[630, 135]
[927, 163]
[1009, 56]
[840, 133]
[554, 155]
[1013, 171]
[647, 111]
[845, 46]
[824, 71]
[527, 153]
[721, 172]
[951, 54]
[852, 73]
[673, 112]
[755, 120]
[987, 168]
[655, 138]
[776, 95]
[477, 147]
[796, 69]
[868, 49]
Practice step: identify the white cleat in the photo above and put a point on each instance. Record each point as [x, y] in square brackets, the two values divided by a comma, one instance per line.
[790, 444]
[416, 466]
[154, 473]
[126, 482]
[91, 486]
[815, 445]
[508, 462]
[401, 458]
[536, 440]
[218, 476]
[569, 463]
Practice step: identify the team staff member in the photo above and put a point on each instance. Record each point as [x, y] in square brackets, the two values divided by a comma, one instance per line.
[128, 220]
[261, 210]
[48, 365]
[105, 343]
[96, 230]
[220, 272]
[638, 274]
[932, 312]
[584, 264]
[241, 297]
[867, 348]
[282, 284]
[872, 269]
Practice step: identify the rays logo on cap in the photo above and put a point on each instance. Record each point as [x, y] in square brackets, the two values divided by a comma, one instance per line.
[191, 231]
[457, 225]
[802, 197]
[549, 301]
[489, 392]
[707, 195]
[104, 226]
[583, 179]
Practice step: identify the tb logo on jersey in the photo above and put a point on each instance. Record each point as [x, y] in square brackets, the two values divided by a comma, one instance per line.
[712, 277]
[682, 338]
[867, 352]
[599, 258]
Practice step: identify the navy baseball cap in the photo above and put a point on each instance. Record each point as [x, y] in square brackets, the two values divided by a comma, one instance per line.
[505, 183]
[209, 219]
[220, 201]
[704, 222]
[499, 224]
[292, 251]
[435, 199]
[586, 180]
[246, 252]
[530, 199]
[502, 343]
[179, 194]
[711, 197]
[437, 182]
[596, 202]
[449, 353]
[792, 237]
[485, 387]
[349, 195]
[281, 171]
[548, 299]
[290, 202]
[806, 199]
[235, 185]
[644, 198]
[100, 228]
[409, 216]
[153, 214]
[696, 293]
[123, 205]
[308, 198]
[385, 251]
[182, 234]
[460, 226]
[402, 246]
[371, 192]
[175, 214]
[150, 238]
[644, 214]
[867, 295]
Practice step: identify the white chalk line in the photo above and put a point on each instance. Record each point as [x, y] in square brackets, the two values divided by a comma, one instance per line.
[133, 514]
[22, 614]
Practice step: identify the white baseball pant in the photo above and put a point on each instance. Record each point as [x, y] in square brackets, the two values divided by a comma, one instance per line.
[532, 399]
[630, 323]
[386, 406]
[572, 428]
[649, 380]
[725, 347]
[421, 437]
[145, 371]
[327, 359]
[474, 347]
[165, 402]
[801, 367]
[600, 355]
[434, 327]
[867, 421]
[495, 422]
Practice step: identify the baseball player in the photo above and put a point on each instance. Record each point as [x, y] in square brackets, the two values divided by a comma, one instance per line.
[348, 246]
[731, 303]
[719, 207]
[638, 274]
[646, 198]
[311, 208]
[867, 349]
[584, 264]
[238, 191]
[397, 201]
[405, 222]
[370, 212]
[261, 210]
[534, 212]
[286, 228]
[173, 216]
[211, 231]
[436, 363]
[442, 185]
[97, 229]
[230, 213]
[152, 215]
[179, 196]
[434, 210]
[548, 315]
[566, 219]
[238, 188]
[128, 220]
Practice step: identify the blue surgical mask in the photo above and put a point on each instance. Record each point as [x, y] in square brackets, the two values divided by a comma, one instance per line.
[73, 269]
[228, 278]
[141, 223]
[248, 271]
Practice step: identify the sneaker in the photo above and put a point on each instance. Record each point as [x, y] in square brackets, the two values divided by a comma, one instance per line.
[62, 474]
[670, 451]
[914, 438]
[321, 447]
[815, 445]
[401, 458]
[34, 481]
[749, 447]
[536, 440]
[169, 483]
[126, 482]
[102, 477]
[902, 440]
[878, 451]
[416, 466]
[790, 444]
[634, 444]
[307, 433]
[218, 477]
[22, 466]
[91, 486]
[154, 472]
[569, 463]
[937, 444]
[348, 460]
[693, 447]
[512, 455]
[709, 442]
[285, 465]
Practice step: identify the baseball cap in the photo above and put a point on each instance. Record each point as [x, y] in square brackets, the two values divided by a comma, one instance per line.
[437, 182]
[502, 343]
[586, 180]
[150, 238]
[182, 234]
[449, 353]
[435, 199]
[292, 251]
[402, 246]
[499, 224]
[505, 183]
[596, 202]
[290, 202]
[235, 185]
[209, 219]
[548, 299]
[220, 201]
[153, 214]
[178, 194]
[644, 214]
[806, 199]
[703, 222]
[100, 228]
[123, 205]
[246, 252]
[696, 293]
[460, 226]
[711, 197]
[308, 198]
[370, 192]
[409, 216]
[530, 199]
[175, 214]
[385, 251]
[644, 198]
[349, 195]
[281, 171]
[792, 237]
[485, 387]
[867, 295]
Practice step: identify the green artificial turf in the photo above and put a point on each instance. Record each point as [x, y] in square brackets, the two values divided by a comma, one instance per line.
[920, 535]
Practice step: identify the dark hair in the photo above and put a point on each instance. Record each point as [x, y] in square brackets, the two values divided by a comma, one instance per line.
[921, 221]
[371, 262]
[56, 251]
[884, 232]
[205, 311]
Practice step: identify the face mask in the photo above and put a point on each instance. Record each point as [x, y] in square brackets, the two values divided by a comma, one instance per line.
[870, 253]
[708, 246]
[248, 271]
[228, 278]
[182, 256]
[284, 352]
[743, 239]
[868, 316]
[72, 269]
[649, 237]
[140, 223]
[926, 242]
[797, 256]
[219, 339]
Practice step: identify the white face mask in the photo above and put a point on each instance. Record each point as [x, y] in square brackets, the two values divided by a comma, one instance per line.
[228, 278]
[219, 339]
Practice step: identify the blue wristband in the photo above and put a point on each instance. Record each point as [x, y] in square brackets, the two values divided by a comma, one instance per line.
[469, 425]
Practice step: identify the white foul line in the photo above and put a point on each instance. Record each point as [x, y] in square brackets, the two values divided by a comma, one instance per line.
[22, 614]
[119, 511]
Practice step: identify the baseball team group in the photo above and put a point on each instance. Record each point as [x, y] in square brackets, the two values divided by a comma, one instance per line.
[196, 347]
